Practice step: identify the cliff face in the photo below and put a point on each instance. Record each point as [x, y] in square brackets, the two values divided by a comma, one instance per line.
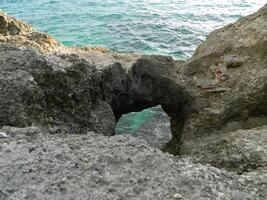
[216, 101]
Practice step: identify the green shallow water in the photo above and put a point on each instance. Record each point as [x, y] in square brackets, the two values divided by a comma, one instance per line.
[133, 121]
[168, 27]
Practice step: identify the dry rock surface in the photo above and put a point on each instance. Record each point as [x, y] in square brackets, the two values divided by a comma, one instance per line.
[229, 71]
[59, 107]
[97, 167]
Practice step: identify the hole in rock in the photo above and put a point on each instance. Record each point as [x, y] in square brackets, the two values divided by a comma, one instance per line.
[152, 125]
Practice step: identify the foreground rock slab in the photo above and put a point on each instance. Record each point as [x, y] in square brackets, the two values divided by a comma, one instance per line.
[97, 167]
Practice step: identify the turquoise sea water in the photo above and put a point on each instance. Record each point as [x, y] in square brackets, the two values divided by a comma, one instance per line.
[169, 27]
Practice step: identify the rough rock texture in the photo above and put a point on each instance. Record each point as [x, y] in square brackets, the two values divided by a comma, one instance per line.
[21, 34]
[126, 82]
[214, 99]
[229, 88]
[73, 90]
[230, 71]
[67, 93]
[242, 150]
[59, 93]
[18, 32]
[95, 167]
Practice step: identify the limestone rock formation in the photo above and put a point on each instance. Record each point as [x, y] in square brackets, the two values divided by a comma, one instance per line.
[121, 167]
[57, 93]
[216, 101]
[229, 79]
[20, 33]
[241, 151]
[66, 89]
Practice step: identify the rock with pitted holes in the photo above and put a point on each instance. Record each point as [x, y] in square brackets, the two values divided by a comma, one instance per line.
[78, 90]
[57, 93]
[218, 130]
[96, 167]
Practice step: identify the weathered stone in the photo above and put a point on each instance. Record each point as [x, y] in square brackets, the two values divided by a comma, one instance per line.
[177, 196]
[232, 61]
[241, 47]
[3, 135]
[96, 167]
[13, 131]
[61, 92]
[241, 151]
[79, 90]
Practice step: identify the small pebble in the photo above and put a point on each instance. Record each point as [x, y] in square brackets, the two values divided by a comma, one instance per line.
[3, 135]
[177, 196]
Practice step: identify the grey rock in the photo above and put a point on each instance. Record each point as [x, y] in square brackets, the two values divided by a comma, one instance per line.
[96, 167]
[240, 151]
[224, 133]
[177, 196]
[52, 92]
[232, 61]
[63, 90]
[27, 131]
[3, 135]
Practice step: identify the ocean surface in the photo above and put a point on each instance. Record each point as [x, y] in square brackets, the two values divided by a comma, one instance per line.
[168, 27]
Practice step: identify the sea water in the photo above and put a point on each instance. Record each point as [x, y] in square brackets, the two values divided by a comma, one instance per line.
[167, 27]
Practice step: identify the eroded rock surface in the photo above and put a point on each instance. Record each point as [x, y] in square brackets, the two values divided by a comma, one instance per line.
[242, 150]
[230, 71]
[229, 79]
[121, 167]
[58, 93]
[66, 89]
[216, 101]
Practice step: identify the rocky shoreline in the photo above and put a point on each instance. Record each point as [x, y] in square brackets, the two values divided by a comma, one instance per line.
[59, 107]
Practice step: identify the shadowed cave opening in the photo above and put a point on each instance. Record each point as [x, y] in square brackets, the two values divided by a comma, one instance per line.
[152, 125]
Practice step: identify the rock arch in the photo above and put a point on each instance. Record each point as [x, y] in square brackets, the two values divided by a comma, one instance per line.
[151, 81]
